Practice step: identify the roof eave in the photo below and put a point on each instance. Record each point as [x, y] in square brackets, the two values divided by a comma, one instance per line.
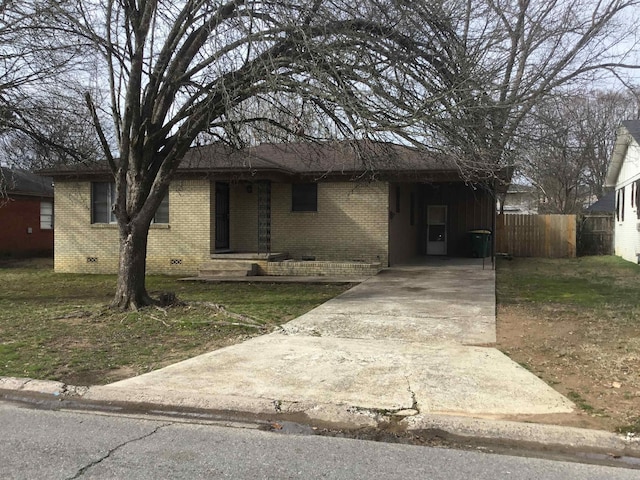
[620, 147]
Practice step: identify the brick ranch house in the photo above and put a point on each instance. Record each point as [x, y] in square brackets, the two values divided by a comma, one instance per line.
[372, 204]
[26, 214]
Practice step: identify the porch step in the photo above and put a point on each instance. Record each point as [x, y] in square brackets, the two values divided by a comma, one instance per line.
[228, 268]
[253, 256]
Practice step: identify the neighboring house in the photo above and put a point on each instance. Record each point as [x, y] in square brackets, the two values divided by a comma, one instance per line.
[607, 204]
[624, 176]
[520, 199]
[359, 202]
[26, 214]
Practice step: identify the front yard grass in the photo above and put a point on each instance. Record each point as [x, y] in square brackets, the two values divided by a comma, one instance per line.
[58, 327]
[576, 324]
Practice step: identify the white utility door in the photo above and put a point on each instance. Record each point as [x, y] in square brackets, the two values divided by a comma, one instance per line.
[436, 230]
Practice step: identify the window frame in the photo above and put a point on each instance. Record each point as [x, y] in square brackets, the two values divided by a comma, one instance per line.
[109, 202]
[106, 205]
[304, 197]
[47, 225]
[164, 206]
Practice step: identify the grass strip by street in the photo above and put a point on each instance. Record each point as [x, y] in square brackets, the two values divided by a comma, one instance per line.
[58, 327]
[576, 324]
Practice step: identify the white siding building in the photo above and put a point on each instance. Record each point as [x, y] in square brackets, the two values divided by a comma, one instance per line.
[624, 175]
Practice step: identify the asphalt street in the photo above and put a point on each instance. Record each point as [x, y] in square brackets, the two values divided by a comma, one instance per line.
[68, 445]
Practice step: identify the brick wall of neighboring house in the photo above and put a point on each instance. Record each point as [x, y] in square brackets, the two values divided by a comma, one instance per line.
[177, 248]
[20, 230]
[351, 223]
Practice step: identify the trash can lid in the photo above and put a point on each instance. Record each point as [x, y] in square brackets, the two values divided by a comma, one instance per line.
[483, 232]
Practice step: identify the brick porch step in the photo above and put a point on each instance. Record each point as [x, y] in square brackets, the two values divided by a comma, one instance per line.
[228, 268]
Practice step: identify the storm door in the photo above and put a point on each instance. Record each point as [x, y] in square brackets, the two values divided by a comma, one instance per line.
[264, 216]
[222, 216]
[436, 230]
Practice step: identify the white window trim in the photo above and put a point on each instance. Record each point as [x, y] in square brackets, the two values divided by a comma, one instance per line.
[46, 219]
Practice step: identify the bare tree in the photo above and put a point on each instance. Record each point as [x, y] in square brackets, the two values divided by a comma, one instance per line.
[598, 118]
[553, 160]
[52, 129]
[39, 122]
[461, 76]
[519, 52]
[178, 70]
[566, 145]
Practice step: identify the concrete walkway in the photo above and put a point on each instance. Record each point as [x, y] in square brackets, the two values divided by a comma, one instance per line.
[404, 343]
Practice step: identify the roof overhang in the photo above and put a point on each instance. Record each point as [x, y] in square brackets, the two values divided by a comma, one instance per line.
[300, 162]
[620, 147]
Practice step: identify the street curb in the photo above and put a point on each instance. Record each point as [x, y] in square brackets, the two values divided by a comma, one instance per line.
[479, 431]
[530, 435]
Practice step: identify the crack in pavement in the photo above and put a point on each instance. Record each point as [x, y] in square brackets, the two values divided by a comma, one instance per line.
[414, 405]
[385, 412]
[84, 469]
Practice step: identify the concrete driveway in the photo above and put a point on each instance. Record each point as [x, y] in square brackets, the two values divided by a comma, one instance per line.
[404, 343]
[450, 300]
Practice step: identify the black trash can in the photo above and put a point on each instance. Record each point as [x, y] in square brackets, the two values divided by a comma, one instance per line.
[480, 243]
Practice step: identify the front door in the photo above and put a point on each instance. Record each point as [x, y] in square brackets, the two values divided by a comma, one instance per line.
[436, 230]
[222, 216]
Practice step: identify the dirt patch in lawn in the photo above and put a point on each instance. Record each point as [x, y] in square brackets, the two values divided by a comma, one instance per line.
[589, 352]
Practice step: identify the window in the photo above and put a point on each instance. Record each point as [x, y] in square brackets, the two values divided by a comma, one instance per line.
[398, 199]
[46, 215]
[304, 197]
[103, 196]
[162, 214]
[637, 184]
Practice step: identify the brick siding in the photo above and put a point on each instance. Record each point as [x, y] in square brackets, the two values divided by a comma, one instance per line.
[295, 268]
[177, 248]
[20, 232]
[351, 223]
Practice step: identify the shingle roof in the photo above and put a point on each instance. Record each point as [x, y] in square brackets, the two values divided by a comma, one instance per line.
[301, 158]
[605, 204]
[633, 126]
[355, 159]
[22, 182]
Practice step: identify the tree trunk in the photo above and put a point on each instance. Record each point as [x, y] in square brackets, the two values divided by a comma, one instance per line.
[131, 292]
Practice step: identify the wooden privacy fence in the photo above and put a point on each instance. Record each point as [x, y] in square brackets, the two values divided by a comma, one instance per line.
[549, 236]
[595, 234]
